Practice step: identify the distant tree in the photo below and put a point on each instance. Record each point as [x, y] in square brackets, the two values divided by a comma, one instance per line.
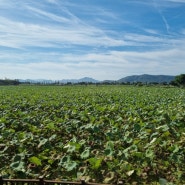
[164, 83]
[179, 80]
[173, 83]
[69, 83]
[9, 82]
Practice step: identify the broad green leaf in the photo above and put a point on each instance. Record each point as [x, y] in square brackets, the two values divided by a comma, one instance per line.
[35, 161]
[18, 166]
[138, 154]
[42, 142]
[109, 177]
[153, 140]
[95, 163]
[51, 126]
[64, 159]
[129, 173]
[72, 147]
[69, 166]
[17, 157]
[149, 153]
[163, 181]
[110, 145]
[163, 128]
[81, 172]
[52, 137]
[85, 154]
[137, 127]
[176, 149]
[108, 152]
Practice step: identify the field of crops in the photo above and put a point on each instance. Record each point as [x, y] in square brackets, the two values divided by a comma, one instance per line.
[101, 133]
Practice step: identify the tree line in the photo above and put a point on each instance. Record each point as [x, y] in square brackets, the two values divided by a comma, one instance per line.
[9, 82]
[178, 81]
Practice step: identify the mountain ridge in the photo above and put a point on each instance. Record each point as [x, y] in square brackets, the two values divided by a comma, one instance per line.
[81, 80]
[144, 78]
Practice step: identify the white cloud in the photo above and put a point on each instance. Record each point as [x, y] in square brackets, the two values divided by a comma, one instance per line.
[20, 35]
[151, 31]
[64, 44]
[51, 16]
[176, 1]
[139, 38]
[166, 24]
[112, 65]
[53, 1]
[71, 31]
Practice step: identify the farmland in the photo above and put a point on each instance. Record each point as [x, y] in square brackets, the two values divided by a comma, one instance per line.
[100, 133]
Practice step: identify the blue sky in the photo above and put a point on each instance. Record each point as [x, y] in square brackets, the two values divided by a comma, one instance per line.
[102, 39]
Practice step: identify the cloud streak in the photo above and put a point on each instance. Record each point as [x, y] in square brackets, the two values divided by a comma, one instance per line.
[64, 39]
[98, 65]
[156, 5]
[24, 35]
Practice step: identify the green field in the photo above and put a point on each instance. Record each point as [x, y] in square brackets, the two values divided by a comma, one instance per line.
[101, 133]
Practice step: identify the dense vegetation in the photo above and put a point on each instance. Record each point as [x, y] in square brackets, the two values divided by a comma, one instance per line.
[9, 82]
[101, 133]
[179, 80]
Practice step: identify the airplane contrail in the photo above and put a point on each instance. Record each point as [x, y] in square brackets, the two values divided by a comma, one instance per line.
[162, 16]
[166, 23]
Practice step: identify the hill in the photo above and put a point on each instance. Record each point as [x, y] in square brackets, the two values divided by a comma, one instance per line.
[64, 81]
[85, 80]
[145, 78]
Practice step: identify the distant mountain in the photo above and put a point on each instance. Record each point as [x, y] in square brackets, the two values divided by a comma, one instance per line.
[85, 79]
[36, 81]
[108, 81]
[145, 78]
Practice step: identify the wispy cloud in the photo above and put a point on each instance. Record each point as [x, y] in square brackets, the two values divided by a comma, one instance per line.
[59, 39]
[151, 31]
[98, 65]
[70, 31]
[156, 5]
[24, 35]
[52, 1]
[46, 14]
[176, 1]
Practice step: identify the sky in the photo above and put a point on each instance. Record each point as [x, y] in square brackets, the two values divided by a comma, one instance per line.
[101, 39]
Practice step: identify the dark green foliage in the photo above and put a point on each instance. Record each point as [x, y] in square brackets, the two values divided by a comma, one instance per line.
[180, 80]
[145, 78]
[101, 133]
[9, 82]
